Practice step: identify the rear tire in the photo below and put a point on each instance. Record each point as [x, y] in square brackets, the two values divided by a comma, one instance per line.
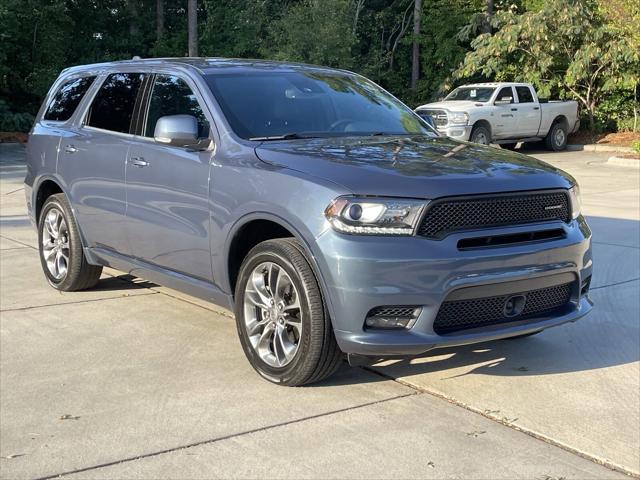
[556, 139]
[61, 253]
[282, 322]
[480, 134]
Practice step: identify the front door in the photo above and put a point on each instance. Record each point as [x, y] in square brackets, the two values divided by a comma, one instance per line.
[504, 113]
[168, 188]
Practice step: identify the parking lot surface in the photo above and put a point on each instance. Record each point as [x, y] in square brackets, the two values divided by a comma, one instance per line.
[133, 380]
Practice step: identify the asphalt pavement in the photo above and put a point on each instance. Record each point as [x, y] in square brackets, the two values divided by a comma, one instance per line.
[134, 380]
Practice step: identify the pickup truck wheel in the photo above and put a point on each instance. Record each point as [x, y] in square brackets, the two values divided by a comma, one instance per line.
[508, 146]
[61, 253]
[556, 139]
[281, 318]
[480, 135]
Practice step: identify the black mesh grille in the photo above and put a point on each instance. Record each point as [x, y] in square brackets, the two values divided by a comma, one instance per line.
[480, 312]
[394, 311]
[446, 216]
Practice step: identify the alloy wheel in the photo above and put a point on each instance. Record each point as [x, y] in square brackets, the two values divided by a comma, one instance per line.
[55, 244]
[272, 314]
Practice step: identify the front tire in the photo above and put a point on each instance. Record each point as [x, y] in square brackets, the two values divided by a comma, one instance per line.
[480, 134]
[556, 139]
[281, 318]
[61, 253]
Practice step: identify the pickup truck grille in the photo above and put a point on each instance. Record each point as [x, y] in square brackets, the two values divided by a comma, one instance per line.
[478, 212]
[439, 116]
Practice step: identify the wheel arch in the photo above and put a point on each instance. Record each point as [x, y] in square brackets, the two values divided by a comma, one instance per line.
[483, 123]
[237, 246]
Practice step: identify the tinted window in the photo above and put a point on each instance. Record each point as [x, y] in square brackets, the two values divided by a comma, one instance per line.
[112, 108]
[67, 99]
[310, 102]
[524, 95]
[475, 94]
[505, 93]
[172, 96]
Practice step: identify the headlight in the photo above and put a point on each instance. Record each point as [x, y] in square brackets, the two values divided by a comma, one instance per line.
[374, 216]
[459, 118]
[576, 203]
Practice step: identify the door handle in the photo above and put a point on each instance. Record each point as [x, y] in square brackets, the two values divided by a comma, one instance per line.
[138, 162]
[70, 149]
[514, 109]
[536, 108]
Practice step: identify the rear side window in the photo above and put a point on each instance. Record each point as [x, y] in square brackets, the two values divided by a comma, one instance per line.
[112, 109]
[172, 96]
[67, 98]
[524, 95]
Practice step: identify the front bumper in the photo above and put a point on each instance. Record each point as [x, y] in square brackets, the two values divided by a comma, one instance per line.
[360, 273]
[457, 132]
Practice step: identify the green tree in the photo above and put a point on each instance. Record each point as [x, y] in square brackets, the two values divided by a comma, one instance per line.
[565, 48]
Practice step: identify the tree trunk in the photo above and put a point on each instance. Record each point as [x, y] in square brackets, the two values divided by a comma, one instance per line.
[192, 15]
[415, 66]
[486, 25]
[132, 5]
[159, 19]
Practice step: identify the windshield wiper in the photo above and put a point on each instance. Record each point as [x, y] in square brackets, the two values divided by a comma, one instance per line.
[287, 136]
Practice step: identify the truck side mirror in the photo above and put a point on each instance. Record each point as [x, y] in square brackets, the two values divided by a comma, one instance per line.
[503, 101]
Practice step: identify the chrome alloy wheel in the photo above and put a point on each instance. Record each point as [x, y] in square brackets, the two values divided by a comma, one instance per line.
[55, 244]
[559, 137]
[272, 314]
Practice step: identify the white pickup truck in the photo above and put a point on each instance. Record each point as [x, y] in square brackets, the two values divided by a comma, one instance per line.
[502, 113]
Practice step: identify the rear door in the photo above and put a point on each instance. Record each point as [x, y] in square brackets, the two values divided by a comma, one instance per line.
[528, 112]
[92, 161]
[168, 187]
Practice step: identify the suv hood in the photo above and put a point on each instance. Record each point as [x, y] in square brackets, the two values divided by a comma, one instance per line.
[418, 167]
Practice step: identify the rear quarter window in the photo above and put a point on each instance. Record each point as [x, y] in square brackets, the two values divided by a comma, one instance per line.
[67, 99]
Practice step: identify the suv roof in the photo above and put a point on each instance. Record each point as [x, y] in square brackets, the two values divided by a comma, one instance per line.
[203, 64]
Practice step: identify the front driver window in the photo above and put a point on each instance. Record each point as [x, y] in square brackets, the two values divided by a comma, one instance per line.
[172, 96]
[505, 94]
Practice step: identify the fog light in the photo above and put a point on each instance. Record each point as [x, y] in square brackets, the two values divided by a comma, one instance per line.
[392, 317]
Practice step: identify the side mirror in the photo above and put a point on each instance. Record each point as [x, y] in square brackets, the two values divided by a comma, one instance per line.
[179, 131]
[503, 101]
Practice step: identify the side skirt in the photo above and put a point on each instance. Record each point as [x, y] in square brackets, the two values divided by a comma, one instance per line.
[168, 278]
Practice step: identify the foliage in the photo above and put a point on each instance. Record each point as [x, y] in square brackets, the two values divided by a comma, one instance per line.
[568, 48]
[564, 49]
[636, 146]
[14, 122]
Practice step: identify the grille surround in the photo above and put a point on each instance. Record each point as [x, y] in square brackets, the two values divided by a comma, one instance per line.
[458, 315]
[454, 214]
[440, 117]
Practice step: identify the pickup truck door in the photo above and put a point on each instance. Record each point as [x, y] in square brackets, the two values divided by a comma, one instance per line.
[503, 124]
[528, 113]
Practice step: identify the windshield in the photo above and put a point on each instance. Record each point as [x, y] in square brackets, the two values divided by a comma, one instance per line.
[475, 94]
[264, 105]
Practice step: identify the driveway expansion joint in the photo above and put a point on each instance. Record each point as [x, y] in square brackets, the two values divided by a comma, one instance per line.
[538, 436]
[224, 437]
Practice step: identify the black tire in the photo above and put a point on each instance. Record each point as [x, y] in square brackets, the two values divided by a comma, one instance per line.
[556, 139]
[79, 274]
[480, 134]
[509, 146]
[523, 336]
[318, 355]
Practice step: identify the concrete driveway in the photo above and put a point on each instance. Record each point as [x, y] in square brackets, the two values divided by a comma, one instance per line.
[133, 380]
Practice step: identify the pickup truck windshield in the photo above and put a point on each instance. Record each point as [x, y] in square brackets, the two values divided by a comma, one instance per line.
[474, 94]
[288, 105]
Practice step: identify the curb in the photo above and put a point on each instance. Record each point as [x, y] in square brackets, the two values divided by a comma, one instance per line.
[624, 162]
[596, 147]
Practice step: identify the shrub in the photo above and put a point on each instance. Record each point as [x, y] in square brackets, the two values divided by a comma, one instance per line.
[14, 122]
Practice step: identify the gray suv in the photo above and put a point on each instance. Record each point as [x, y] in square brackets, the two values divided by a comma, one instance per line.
[330, 217]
